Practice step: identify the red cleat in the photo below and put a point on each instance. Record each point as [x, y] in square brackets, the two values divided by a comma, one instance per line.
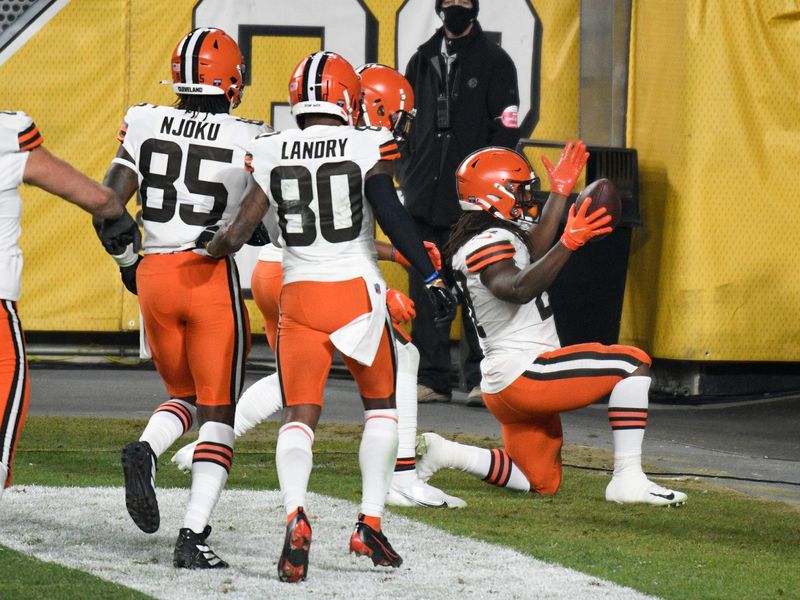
[293, 563]
[368, 542]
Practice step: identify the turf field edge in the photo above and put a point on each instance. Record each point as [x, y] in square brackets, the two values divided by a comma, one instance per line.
[723, 544]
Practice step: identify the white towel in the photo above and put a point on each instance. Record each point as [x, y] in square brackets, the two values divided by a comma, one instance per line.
[359, 339]
[144, 345]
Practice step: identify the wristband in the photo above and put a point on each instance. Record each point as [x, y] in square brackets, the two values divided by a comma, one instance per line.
[127, 258]
[431, 277]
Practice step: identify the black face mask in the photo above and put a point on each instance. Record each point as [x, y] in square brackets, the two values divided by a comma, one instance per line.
[456, 18]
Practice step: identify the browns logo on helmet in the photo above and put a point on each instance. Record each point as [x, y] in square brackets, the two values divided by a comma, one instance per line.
[325, 83]
[499, 181]
[387, 99]
[207, 61]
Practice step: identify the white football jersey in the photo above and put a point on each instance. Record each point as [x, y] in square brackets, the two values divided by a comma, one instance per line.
[191, 170]
[18, 136]
[314, 178]
[510, 335]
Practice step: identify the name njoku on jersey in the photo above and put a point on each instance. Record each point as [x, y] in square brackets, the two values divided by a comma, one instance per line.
[313, 149]
[189, 128]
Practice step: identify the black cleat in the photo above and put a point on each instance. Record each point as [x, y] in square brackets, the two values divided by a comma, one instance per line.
[368, 542]
[192, 552]
[293, 563]
[139, 465]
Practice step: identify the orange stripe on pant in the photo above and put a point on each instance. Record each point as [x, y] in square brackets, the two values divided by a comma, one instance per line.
[265, 284]
[14, 388]
[310, 312]
[196, 324]
[529, 409]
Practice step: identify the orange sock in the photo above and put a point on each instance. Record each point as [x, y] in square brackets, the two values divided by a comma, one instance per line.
[374, 522]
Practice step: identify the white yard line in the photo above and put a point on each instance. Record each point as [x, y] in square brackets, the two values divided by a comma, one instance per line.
[88, 529]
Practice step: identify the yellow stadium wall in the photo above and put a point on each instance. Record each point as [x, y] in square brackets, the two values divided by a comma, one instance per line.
[714, 113]
[84, 67]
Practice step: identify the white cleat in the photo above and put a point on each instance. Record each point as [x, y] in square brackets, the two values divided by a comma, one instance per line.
[418, 493]
[638, 489]
[183, 457]
[434, 454]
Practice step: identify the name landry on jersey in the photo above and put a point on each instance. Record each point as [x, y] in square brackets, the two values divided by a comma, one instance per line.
[313, 149]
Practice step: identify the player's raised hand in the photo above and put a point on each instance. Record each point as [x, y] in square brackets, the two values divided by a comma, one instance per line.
[401, 307]
[430, 248]
[443, 300]
[581, 228]
[564, 175]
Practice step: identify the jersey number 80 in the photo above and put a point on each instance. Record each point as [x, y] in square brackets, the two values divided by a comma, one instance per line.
[298, 179]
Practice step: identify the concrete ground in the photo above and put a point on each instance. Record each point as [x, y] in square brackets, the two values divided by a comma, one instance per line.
[757, 442]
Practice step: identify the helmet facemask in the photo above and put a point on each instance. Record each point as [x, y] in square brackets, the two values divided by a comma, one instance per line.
[526, 208]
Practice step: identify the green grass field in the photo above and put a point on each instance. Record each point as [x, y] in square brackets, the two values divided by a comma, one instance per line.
[719, 545]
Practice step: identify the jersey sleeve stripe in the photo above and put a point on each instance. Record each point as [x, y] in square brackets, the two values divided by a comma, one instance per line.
[487, 249]
[489, 260]
[388, 157]
[34, 142]
[29, 139]
[388, 145]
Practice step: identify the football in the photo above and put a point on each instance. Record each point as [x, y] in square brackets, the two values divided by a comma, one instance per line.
[604, 194]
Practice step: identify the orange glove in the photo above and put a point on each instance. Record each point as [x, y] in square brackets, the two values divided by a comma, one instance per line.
[580, 228]
[433, 254]
[564, 175]
[401, 307]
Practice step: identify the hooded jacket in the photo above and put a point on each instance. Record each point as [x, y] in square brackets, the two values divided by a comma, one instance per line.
[481, 86]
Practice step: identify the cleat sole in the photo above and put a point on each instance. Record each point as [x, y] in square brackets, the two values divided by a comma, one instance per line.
[140, 497]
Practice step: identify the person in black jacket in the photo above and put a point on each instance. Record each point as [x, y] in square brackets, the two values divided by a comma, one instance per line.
[467, 97]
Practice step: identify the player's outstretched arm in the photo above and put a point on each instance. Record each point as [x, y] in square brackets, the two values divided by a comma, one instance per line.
[120, 234]
[520, 286]
[386, 251]
[399, 226]
[562, 179]
[52, 174]
[395, 221]
[506, 281]
[231, 237]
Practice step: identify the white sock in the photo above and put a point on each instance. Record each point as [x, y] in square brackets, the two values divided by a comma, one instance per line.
[168, 422]
[492, 466]
[406, 396]
[257, 404]
[627, 415]
[294, 459]
[376, 457]
[211, 464]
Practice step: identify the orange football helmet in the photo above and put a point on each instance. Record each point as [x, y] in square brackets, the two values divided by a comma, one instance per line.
[208, 61]
[326, 83]
[499, 181]
[387, 100]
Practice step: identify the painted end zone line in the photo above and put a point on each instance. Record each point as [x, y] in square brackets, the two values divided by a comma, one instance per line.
[88, 529]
